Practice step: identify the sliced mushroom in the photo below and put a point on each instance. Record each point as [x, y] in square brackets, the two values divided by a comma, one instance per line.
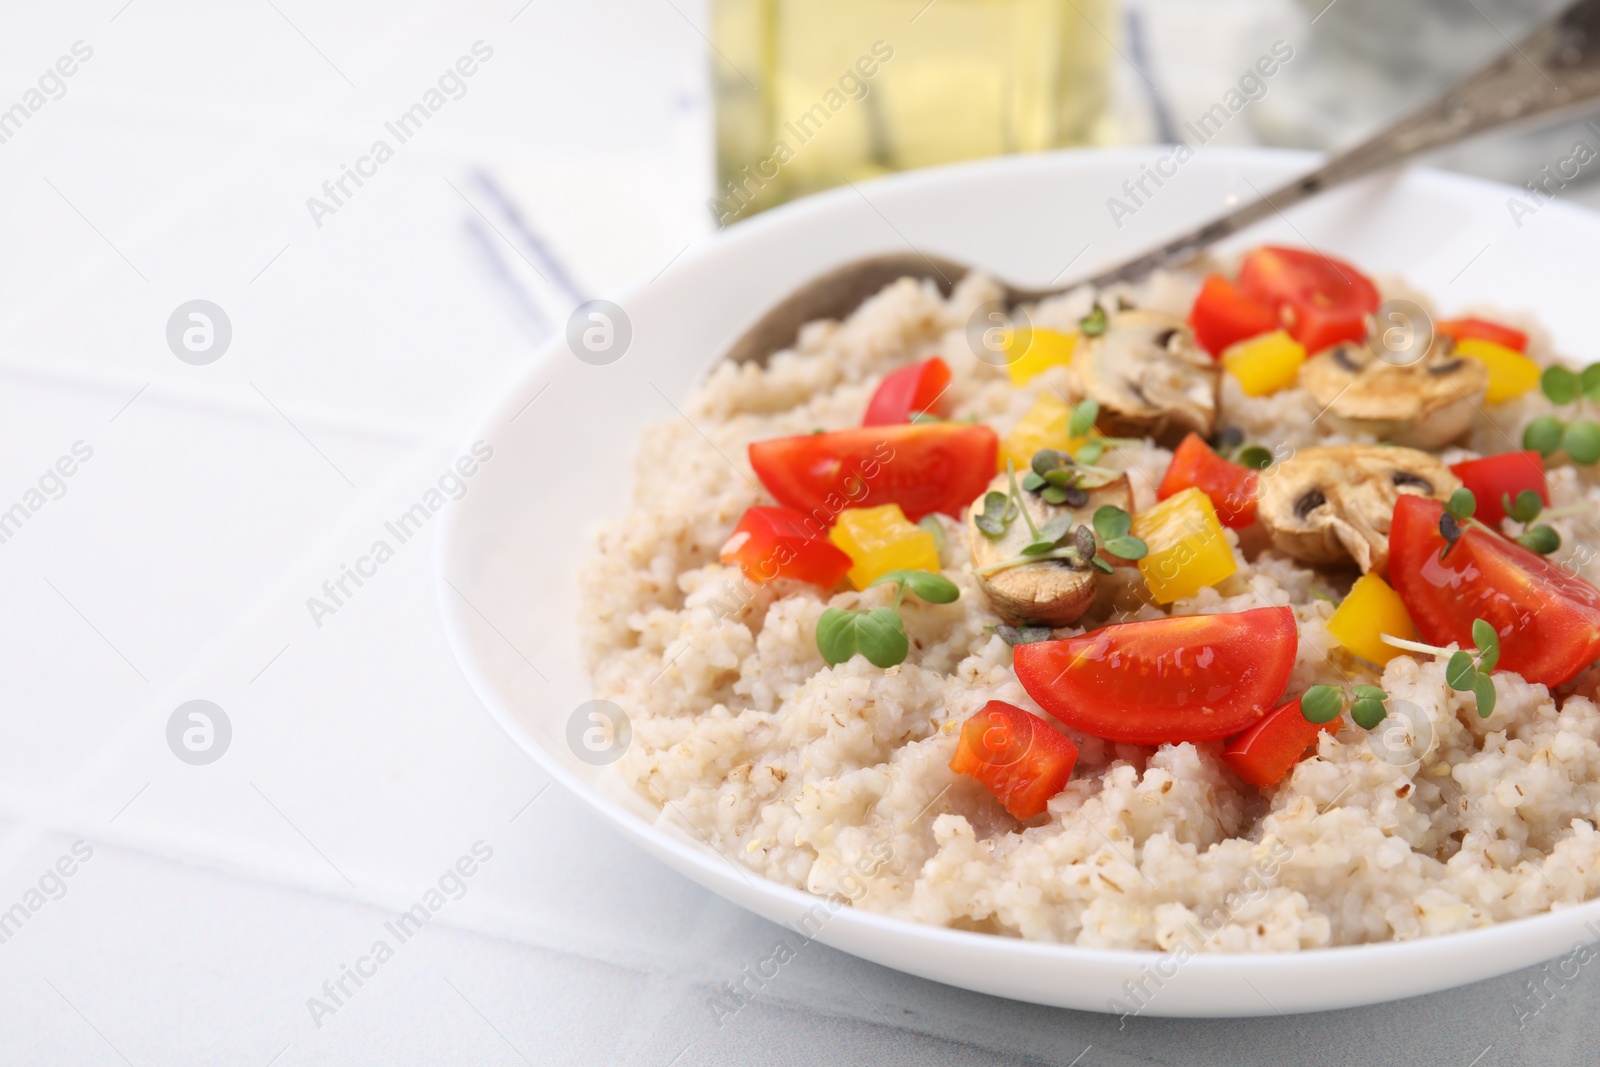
[1423, 404]
[1333, 503]
[1053, 592]
[1148, 377]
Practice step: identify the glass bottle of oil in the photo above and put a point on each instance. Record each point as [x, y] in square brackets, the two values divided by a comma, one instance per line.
[813, 93]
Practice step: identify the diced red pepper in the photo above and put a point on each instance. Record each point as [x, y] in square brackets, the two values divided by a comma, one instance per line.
[773, 543]
[1484, 330]
[1222, 315]
[1267, 751]
[909, 391]
[1021, 758]
[1231, 486]
[1494, 477]
[1320, 300]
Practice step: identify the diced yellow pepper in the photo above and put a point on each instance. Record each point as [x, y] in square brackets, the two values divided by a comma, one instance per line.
[1265, 364]
[1046, 425]
[1188, 550]
[1510, 372]
[880, 540]
[1033, 350]
[1372, 608]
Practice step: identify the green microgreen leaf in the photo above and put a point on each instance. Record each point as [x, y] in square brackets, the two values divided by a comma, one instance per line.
[1053, 494]
[1127, 547]
[1525, 508]
[1083, 541]
[1459, 671]
[1483, 690]
[1369, 692]
[1589, 381]
[1543, 435]
[1047, 460]
[1560, 385]
[1026, 635]
[1111, 521]
[935, 528]
[1581, 440]
[1103, 565]
[1094, 323]
[996, 516]
[1367, 713]
[1256, 457]
[1542, 539]
[934, 588]
[1462, 504]
[1321, 703]
[1056, 530]
[1083, 419]
[1033, 482]
[878, 634]
[1488, 642]
[1091, 451]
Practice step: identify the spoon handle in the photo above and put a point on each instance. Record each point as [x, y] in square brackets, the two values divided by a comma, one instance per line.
[1554, 67]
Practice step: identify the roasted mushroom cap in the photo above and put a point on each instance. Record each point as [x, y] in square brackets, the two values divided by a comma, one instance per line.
[1333, 503]
[1148, 377]
[1053, 592]
[1424, 404]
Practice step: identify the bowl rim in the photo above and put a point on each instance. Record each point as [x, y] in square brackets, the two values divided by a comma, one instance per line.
[712, 869]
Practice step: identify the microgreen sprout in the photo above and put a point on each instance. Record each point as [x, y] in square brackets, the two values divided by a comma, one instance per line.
[879, 633]
[935, 529]
[1457, 511]
[1083, 418]
[999, 509]
[1465, 671]
[1094, 323]
[1323, 703]
[1579, 438]
[1231, 444]
[1541, 538]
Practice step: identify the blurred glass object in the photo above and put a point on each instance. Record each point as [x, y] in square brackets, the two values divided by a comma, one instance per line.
[1366, 62]
[813, 93]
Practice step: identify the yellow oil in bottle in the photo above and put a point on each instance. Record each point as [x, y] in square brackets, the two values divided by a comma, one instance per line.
[813, 93]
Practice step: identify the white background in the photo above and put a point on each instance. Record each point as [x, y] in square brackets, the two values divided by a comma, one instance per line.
[219, 498]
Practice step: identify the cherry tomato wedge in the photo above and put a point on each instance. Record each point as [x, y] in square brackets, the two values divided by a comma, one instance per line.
[908, 391]
[1184, 678]
[1548, 619]
[1231, 486]
[773, 543]
[923, 467]
[1222, 315]
[1320, 300]
[1493, 478]
[1021, 758]
[1484, 330]
[1267, 751]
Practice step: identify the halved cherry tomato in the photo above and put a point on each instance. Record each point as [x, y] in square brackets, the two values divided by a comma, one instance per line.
[1021, 758]
[773, 543]
[908, 391]
[1494, 477]
[1231, 486]
[923, 467]
[1483, 330]
[1548, 619]
[1267, 751]
[1320, 300]
[1183, 678]
[1222, 315]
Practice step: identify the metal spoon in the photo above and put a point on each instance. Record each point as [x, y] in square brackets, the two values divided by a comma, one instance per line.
[1555, 67]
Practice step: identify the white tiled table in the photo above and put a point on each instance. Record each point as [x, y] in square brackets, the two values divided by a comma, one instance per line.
[178, 561]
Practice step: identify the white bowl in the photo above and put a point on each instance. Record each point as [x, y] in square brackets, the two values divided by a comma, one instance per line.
[508, 552]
